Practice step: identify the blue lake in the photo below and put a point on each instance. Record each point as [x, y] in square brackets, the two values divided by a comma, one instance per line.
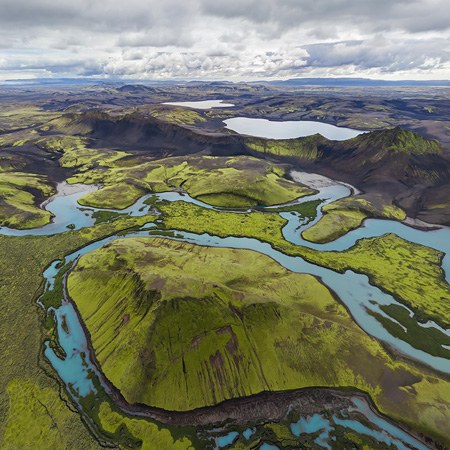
[288, 129]
[204, 104]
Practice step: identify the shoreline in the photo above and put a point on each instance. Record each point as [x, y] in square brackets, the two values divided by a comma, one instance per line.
[63, 189]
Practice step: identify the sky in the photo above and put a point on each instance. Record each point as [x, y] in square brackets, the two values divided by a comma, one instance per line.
[225, 39]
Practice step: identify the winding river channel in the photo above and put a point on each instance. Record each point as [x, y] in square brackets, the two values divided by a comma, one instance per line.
[354, 290]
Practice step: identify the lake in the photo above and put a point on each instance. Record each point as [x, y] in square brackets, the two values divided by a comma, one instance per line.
[288, 129]
[205, 104]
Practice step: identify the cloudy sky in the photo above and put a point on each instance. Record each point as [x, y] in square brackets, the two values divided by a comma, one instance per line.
[225, 39]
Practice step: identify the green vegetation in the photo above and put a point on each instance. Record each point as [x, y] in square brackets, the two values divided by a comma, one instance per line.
[229, 182]
[105, 216]
[179, 326]
[76, 152]
[10, 163]
[410, 272]
[17, 138]
[74, 124]
[118, 196]
[306, 148]
[176, 115]
[397, 140]
[347, 214]
[333, 225]
[18, 198]
[148, 433]
[23, 116]
[280, 434]
[29, 398]
[306, 209]
[39, 418]
[431, 338]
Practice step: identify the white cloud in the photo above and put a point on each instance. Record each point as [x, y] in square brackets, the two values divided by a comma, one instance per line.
[236, 39]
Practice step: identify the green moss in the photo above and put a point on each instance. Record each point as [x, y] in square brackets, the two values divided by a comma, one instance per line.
[18, 199]
[197, 326]
[180, 326]
[150, 435]
[176, 115]
[397, 140]
[306, 148]
[105, 216]
[38, 418]
[347, 214]
[119, 196]
[22, 379]
[333, 225]
[412, 273]
[75, 152]
[305, 209]
[429, 339]
[228, 182]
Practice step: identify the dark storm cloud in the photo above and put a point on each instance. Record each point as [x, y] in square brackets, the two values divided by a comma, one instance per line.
[106, 15]
[409, 15]
[230, 39]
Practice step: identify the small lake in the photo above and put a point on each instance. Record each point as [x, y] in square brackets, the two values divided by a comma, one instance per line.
[288, 129]
[205, 104]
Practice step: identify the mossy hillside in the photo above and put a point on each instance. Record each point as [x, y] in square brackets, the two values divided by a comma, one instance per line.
[30, 400]
[234, 187]
[196, 326]
[388, 154]
[18, 198]
[347, 214]
[74, 123]
[16, 116]
[398, 140]
[20, 191]
[412, 273]
[176, 115]
[75, 152]
[18, 138]
[11, 163]
[179, 326]
[221, 181]
[307, 148]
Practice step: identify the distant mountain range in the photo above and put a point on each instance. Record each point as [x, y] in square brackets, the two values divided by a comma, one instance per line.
[293, 82]
[337, 82]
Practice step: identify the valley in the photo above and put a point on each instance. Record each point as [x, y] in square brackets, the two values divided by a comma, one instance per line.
[178, 284]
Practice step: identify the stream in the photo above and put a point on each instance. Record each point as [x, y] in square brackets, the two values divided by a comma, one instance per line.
[359, 296]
